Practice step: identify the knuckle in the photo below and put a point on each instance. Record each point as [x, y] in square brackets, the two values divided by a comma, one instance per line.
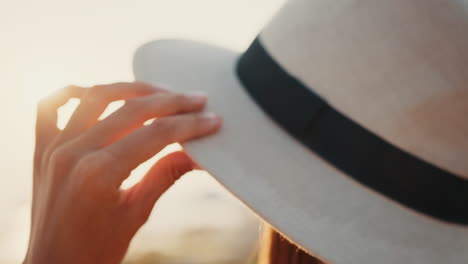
[171, 103]
[181, 102]
[91, 165]
[165, 126]
[61, 158]
[107, 163]
[97, 90]
[180, 99]
[168, 103]
[194, 120]
[91, 172]
[134, 105]
[196, 124]
[60, 155]
[95, 94]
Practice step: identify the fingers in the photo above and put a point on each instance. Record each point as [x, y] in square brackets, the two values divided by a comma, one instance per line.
[127, 153]
[96, 100]
[138, 110]
[46, 122]
[159, 178]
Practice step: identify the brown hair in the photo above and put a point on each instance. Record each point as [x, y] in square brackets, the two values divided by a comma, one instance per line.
[275, 249]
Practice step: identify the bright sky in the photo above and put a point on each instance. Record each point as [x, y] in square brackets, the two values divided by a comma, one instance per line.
[48, 44]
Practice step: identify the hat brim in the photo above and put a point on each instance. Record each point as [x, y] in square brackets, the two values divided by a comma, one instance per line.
[310, 202]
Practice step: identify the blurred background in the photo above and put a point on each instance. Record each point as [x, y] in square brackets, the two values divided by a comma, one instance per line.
[48, 44]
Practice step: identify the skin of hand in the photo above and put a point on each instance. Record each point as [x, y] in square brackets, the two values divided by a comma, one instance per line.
[79, 212]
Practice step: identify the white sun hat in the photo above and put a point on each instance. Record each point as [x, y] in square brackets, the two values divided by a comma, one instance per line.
[345, 125]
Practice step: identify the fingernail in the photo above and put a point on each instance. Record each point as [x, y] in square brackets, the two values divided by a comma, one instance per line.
[197, 97]
[212, 119]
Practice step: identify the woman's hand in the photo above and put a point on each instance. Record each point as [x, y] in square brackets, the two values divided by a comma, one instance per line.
[79, 213]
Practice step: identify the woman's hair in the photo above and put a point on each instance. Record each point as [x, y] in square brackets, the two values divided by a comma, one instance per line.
[275, 249]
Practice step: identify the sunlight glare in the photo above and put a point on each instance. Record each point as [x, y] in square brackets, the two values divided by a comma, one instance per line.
[65, 112]
[111, 108]
[138, 173]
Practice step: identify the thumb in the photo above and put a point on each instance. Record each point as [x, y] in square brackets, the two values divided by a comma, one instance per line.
[159, 178]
